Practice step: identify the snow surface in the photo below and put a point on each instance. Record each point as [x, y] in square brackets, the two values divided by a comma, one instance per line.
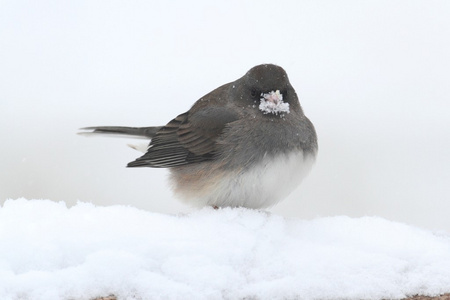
[49, 251]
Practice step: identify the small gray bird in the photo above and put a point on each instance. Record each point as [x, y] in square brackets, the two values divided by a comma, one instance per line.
[246, 143]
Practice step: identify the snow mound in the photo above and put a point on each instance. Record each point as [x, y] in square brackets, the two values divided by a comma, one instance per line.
[49, 251]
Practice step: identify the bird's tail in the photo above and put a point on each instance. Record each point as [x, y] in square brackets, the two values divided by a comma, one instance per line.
[135, 132]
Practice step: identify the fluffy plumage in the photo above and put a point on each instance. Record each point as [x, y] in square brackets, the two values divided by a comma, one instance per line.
[218, 149]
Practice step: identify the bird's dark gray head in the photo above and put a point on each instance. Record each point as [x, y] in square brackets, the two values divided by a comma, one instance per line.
[266, 78]
[270, 82]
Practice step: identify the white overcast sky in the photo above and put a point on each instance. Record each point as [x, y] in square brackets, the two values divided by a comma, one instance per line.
[373, 76]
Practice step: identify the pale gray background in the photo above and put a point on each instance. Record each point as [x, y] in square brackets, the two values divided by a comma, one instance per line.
[373, 76]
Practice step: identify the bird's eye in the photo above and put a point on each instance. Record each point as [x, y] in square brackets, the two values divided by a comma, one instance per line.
[255, 93]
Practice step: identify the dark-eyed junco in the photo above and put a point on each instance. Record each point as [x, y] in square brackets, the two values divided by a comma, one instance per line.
[246, 143]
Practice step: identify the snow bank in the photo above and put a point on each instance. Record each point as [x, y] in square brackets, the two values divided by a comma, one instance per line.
[49, 251]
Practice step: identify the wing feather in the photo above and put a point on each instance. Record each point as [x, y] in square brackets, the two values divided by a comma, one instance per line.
[188, 138]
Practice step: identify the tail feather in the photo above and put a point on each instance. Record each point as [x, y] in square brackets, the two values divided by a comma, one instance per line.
[140, 132]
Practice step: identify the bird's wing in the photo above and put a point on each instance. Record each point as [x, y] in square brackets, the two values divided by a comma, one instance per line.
[189, 138]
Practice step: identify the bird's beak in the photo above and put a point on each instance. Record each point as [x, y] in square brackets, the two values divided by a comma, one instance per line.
[273, 97]
[272, 102]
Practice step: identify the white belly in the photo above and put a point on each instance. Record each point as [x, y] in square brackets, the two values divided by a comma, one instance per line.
[262, 186]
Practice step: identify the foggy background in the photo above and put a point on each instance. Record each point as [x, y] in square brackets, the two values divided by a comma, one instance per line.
[373, 76]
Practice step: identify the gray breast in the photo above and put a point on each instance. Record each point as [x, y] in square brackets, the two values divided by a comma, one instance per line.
[245, 144]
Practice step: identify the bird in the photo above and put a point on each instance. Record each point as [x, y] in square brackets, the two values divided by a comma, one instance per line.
[245, 144]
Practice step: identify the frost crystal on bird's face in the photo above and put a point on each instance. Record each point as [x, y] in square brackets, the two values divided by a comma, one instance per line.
[273, 103]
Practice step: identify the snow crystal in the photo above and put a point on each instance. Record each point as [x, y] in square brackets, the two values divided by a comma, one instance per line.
[49, 251]
[273, 103]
